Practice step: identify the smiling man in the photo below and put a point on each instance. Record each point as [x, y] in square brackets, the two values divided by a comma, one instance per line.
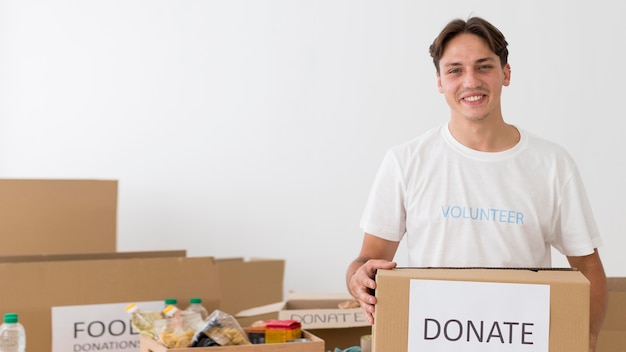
[477, 191]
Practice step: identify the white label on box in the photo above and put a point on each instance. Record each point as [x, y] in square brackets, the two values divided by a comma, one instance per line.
[460, 316]
[326, 318]
[96, 327]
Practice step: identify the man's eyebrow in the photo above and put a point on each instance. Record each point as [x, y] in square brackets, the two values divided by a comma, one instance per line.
[486, 59]
[479, 61]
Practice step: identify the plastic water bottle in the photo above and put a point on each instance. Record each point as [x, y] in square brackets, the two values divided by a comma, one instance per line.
[142, 321]
[12, 334]
[195, 306]
[170, 302]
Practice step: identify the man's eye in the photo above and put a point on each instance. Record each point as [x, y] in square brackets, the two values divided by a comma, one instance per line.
[454, 71]
[484, 67]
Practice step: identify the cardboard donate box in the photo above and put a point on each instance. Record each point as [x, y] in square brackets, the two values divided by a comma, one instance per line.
[318, 313]
[470, 309]
[613, 335]
[57, 216]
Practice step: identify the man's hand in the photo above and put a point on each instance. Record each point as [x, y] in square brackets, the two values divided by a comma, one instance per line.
[362, 284]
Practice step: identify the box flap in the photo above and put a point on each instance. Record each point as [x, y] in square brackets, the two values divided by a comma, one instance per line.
[312, 310]
[247, 283]
[90, 256]
[266, 309]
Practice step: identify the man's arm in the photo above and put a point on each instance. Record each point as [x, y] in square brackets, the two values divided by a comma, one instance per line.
[591, 267]
[376, 253]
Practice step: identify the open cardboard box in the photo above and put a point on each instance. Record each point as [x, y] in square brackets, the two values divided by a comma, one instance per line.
[319, 313]
[40, 285]
[314, 345]
[64, 301]
[613, 335]
[563, 293]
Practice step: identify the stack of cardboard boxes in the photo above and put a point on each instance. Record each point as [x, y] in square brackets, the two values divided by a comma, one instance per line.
[61, 272]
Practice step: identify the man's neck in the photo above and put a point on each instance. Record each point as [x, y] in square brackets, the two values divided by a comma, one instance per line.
[485, 136]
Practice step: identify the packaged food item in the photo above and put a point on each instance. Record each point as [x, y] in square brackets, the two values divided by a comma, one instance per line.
[220, 329]
[143, 321]
[256, 332]
[278, 331]
[174, 334]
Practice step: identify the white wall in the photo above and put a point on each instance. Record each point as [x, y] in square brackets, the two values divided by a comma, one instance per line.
[255, 128]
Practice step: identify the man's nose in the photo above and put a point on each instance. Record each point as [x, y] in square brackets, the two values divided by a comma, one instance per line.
[471, 80]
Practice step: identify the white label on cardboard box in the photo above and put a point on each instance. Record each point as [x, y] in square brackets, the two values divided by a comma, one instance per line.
[460, 316]
[326, 318]
[97, 327]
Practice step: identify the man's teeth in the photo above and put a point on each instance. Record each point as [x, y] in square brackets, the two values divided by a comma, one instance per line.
[473, 98]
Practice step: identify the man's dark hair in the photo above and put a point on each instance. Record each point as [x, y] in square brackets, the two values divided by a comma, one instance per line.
[474, 25]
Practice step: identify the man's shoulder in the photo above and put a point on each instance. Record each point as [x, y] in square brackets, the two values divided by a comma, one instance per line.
[542, 143]
[425, 140]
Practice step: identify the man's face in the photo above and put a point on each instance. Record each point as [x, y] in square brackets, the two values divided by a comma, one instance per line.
[471, 78]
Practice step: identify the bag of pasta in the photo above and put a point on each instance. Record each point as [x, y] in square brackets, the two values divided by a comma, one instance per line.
[220, 329]
[173, 331]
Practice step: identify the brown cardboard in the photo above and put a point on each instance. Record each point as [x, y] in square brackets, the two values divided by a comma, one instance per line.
[58, 216]
[613, 335]
[315, 345]
[32, 287]
[318, 313]
[249, 283]
[569, 303]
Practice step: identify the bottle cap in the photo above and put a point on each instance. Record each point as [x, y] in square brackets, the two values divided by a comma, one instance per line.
[10, 318]
[195, 300]
[171, 301]
[131, 308]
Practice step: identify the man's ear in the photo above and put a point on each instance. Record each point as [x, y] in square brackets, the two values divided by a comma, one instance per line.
[507, 75]
[439, 87]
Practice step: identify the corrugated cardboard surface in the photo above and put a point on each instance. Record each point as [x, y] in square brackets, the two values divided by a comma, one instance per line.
[33, 287]
[315, 345]
[249, 283]
[569, 303]
[57, 216]
[613, 335]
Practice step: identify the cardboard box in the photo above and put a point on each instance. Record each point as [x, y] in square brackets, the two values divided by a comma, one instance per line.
[451, 309]
[34, 286]
[315, 345]
[58, 216]
[318, 313]
[613, 335]
[249, 283]
[41, 285]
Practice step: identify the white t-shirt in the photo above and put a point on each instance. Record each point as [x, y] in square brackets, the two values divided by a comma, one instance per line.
[460, 207]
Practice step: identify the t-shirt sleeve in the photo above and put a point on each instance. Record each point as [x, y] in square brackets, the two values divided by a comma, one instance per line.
[576, 232]
[384, 215]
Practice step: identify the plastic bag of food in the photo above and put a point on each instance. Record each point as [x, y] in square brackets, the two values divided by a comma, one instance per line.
[172, 331]
[220, 329]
